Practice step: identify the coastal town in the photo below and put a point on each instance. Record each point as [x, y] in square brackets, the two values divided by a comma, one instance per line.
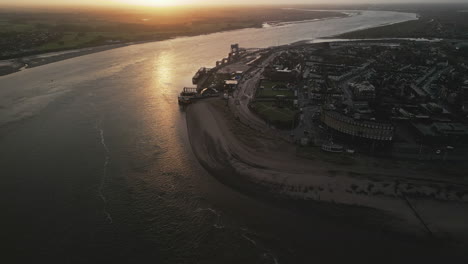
[378, 124]
[400, 99]
[198, 131]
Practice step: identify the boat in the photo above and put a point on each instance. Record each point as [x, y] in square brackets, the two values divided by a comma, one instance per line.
[332, 147]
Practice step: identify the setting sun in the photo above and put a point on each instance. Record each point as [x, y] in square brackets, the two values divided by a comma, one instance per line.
[153, 2]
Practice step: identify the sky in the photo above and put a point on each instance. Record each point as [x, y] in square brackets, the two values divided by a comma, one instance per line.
[202, 2]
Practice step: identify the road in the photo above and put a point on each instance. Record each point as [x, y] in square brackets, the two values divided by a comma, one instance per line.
[245, 93]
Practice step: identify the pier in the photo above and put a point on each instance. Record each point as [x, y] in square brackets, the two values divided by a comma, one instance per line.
[204, 76]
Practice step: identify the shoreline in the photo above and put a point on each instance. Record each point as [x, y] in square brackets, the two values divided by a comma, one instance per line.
[418, 17]
[10, 66]
[285, 23]
[264, 166]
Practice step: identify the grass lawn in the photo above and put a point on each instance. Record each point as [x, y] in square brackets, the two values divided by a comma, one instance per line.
[266, 89]
[274, 114]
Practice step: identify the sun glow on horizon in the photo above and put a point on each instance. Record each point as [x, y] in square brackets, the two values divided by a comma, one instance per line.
[154, 3]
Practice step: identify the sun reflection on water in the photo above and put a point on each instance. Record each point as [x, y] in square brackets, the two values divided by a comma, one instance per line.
[163, 73]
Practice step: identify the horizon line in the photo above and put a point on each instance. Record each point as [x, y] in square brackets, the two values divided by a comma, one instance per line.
[127, 6]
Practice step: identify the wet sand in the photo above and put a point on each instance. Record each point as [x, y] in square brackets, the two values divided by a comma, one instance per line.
[242, 158]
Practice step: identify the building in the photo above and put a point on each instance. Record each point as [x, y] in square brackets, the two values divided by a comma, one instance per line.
[201, 73]
[363, 91]
[281, 75]
[230, 84]
[365, 129]
[441, 133]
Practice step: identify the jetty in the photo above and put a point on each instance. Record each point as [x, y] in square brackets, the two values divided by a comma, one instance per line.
[203, 78]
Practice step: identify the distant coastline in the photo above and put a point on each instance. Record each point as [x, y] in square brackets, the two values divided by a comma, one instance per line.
[284, 23]
[445, 24]
[9, 66]
[15, 65]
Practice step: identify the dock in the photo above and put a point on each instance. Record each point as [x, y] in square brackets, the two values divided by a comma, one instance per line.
[203, 75]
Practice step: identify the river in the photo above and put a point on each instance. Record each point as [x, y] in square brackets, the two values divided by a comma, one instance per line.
[96, 166]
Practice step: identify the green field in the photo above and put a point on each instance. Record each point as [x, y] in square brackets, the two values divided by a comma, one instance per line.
[6, 26]
[266, 89]
[274, 114]
[80, 35]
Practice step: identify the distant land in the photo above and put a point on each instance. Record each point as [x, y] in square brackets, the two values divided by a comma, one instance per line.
[435, 21]
[29, 32]
[26, 33]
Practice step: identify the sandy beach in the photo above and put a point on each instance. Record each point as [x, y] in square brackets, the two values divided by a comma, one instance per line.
[240, 157]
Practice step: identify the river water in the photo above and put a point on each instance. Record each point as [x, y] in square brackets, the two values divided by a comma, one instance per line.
[96, 166]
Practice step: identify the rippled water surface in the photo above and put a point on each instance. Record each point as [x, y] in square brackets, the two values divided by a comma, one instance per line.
[96, 164]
